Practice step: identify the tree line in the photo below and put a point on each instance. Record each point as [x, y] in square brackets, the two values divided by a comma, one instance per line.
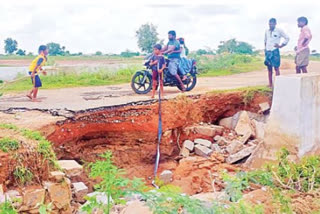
[147, 36]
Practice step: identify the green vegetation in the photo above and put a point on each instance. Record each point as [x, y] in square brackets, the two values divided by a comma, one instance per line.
[7, 208]
[8, 144]
[22, 174]
[228, 64]
[44, 147]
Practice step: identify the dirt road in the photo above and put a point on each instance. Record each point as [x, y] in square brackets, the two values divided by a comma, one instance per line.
[92, 97]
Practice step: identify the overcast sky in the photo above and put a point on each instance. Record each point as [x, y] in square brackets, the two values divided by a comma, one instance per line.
[109, 26]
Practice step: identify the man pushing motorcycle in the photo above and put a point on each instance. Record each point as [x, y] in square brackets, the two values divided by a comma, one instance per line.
[173, 50]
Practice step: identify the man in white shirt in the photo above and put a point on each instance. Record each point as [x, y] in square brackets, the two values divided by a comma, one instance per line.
[272, 41]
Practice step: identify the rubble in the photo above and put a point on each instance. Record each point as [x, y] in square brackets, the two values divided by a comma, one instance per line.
[240, 155]
[57, 176]
[202, 151]
[203, 142]
[80, 190]
[184, 152]
[188, 144]
[71, 167]
[32, 198]
[166, 176]
[264, 107]
[216, 148]
[234, 147]
[60, 194]
[244, 125]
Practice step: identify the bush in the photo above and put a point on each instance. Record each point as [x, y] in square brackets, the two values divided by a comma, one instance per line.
[7, 144]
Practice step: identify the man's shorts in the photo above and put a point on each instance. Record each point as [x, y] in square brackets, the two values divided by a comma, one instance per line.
[302, 58]
[272, 58]
[173, 66]
[38, 83]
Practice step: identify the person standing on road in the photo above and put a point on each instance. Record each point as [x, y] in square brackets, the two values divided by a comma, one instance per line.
[302, 49]
[272, 44]
[173, 50]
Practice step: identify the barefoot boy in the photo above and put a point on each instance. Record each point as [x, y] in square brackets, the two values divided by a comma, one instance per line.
[34, 69]
[157, 65]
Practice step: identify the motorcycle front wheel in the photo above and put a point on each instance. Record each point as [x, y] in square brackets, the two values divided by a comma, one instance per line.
[141, 82]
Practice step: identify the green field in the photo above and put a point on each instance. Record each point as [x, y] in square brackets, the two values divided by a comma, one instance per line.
[74, 77]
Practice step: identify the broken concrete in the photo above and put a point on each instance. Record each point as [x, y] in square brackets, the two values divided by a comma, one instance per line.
[80, 191]
[184, 152]
[203, 142]
[244, 125]
[57, 176]
[208, 130]
[264, 107]
[260, 129]
[234, 147]
[71, 167]
[240, 155]
[60, 194]
[188, 144]
[32, 198]
[202, 151]
[216, 148]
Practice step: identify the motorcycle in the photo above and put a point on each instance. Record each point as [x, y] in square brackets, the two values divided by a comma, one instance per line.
[141, 82]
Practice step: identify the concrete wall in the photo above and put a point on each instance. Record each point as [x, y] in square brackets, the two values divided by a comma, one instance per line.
[294, 120]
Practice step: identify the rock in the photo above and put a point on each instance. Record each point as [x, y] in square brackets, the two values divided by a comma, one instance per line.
[264, 107]
[136, 207]
[71, 167]
[244, 139]
[166, 176]
[260, 129]
[184, 152]
[80, 190]
[244, 125]
[60, 194]
[240, 155]
[208, 130]
[203, 142]
[202, 151]
[234, 147]
[211, 196]
[226, 122]
[32, 198]
[217, 138]
[188, 144]
[57, 176]
[216, 148]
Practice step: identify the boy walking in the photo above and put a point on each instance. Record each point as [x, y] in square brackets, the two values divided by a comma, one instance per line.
[302, 49]
[157, 64]
[34, 69]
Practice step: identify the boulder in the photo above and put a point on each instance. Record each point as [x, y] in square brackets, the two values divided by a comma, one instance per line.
[80, 190]
[60, 194]
[166, 176]
[240, 155]
[71, 167]
[203, 142]
[202, 151]
[234, 147]
[244, 125]
[32, 198]
[188, 144]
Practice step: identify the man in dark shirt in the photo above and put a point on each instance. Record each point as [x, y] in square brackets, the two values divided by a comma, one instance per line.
[173, 50]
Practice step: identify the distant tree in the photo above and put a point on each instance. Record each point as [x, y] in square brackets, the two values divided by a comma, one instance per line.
[55, 49]
[129, 53]
[21, 52]
[147, 36]
[201, 52]
[234, 46]
[30, 54]
[98, 53]
[10, 45]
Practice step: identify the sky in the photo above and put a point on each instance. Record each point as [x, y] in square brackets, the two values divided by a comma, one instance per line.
[109, 26]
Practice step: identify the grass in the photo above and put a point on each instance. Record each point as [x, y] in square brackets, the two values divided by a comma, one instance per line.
[220, 65]
[8, 144]
[223, 65]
